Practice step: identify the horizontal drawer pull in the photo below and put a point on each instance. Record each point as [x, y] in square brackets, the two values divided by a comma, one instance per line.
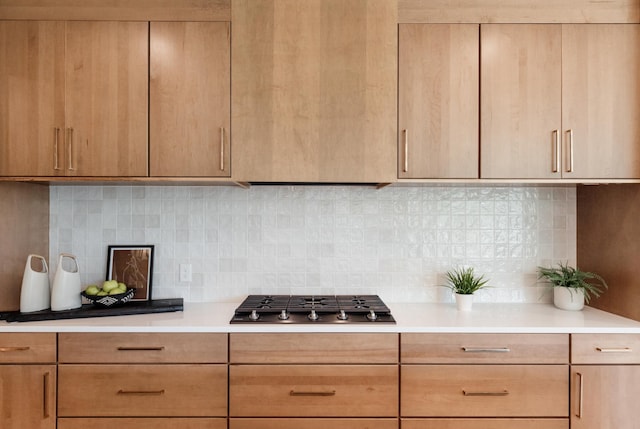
[614, 350]
[14, 349]
[329, 393]
[486, 349]
[141, 392]
[141, 349]
[471, 393]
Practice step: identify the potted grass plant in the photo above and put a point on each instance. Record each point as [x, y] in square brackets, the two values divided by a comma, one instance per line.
[464, 283]
[571, 286]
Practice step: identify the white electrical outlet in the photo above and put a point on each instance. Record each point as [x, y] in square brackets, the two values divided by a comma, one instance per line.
[186, 274]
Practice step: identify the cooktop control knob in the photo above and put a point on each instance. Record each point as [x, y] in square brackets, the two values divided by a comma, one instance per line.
[342, 315]
[254, 315]
[283, 315]
[372, 315]
[313, 315]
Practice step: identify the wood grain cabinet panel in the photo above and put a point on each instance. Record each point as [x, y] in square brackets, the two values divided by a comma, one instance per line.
[484, 348]
[304, 348]
[605, 349]
[142, 348]
[293, 423]
[438, 105]
[190, 99]
[313, 391]
[27, 347]
[314, 87]
[142, 423]
[485, 423]
[142, 390]
[28, 396]
[484, 391]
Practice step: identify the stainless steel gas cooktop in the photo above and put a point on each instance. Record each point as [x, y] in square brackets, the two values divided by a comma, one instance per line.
[313, 309]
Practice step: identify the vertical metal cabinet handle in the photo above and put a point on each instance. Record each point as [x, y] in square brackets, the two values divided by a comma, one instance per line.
[56, 134]
[406, 150]
[45, 399]
[222, 148]
[580, 392]
[614, 349]
[486, 349]
[14, 349]
[70, 150]
[504, 392]
[570, 155]
[555, 159]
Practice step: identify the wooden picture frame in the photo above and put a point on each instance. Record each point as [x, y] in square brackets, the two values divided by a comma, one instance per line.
[133, 266]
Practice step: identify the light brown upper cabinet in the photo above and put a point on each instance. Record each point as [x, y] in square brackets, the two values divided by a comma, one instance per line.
[76, 98]
[560, 101]
[438, 101]
[31, 97]
[190, 118]
[314, 86]
[106, 99]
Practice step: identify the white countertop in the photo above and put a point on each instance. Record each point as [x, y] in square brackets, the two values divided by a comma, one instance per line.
[488, 318]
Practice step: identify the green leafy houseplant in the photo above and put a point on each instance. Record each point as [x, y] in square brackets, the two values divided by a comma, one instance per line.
[575, 279]
[463, 281]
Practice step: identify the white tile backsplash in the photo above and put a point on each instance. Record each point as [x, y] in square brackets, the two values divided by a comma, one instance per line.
[396, 242]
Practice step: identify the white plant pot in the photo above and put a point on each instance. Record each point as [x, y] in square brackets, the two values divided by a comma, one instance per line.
[567, 298]
[463, 302]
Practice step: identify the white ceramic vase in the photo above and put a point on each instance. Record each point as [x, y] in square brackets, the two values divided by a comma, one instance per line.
[567, 298]
[463, 302]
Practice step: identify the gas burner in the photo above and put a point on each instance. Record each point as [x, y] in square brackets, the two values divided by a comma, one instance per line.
[338, 309]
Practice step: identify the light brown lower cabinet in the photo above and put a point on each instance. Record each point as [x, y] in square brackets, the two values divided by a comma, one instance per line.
[185, 390]
[311, 423]
[142, 423]
[485, 424]
[484, 391]
[27, 396]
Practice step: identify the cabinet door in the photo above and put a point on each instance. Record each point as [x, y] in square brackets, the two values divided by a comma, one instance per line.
[31, 98]
[142, 423]
[190, 99]
[314, 88]
[604, 397]
[28, 396]
[107, 98]
[520, 83]
[438, 101]
[600, 107]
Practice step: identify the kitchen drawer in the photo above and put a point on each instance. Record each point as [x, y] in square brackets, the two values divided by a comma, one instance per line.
[485, 424]
[297, 423]
[142, 390]
[484, 391]
[27, 348]
[142, 348]
[142, 423]
[484, 348]
[314, 348]
[313, 390]
[605, 348]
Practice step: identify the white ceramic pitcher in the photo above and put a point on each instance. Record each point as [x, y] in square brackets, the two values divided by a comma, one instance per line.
[65, 292]
[35, 294]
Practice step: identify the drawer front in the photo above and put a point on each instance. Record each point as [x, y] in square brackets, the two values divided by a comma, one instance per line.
[304, 348]
[297, 423]
[27, 348]
[313, 390]
[484, 348]
[485, 424]
[142, 347]
[142, 390]
[485, 391]
[605, 348]
[142, 423]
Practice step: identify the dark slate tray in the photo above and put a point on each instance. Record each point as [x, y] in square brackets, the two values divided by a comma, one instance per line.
[90, 310]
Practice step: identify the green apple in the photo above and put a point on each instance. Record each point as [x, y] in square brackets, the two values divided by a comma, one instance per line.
[122, 287]
[115, 291]
[92, 290]
[108, 285]
[101, 293]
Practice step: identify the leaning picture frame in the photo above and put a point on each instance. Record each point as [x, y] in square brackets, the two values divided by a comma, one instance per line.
[133, 266]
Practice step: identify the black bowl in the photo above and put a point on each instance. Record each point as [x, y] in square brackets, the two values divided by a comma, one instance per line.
[110, 300]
